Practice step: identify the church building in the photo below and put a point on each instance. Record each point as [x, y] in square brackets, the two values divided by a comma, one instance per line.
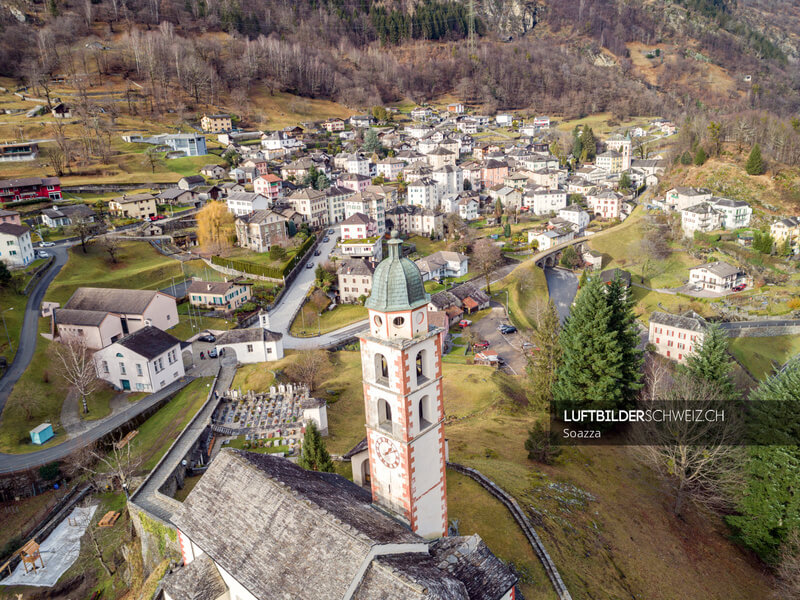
[258, 527]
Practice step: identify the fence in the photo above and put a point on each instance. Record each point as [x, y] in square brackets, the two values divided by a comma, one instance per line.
[264, 270]
[38, 275]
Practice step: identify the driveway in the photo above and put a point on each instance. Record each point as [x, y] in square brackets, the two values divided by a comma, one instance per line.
[562, 285]
[30, 326]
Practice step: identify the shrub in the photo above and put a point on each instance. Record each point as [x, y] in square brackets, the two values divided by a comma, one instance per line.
[542, 444]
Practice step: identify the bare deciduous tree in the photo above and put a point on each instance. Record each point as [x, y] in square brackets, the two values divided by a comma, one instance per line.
[74, 361]
[698, 458]
[111, 245]
[57, 159]
[310, 368]
[486, 257]
[789, 568]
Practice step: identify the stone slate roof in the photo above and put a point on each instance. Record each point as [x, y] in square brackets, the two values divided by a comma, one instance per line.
[254, 334]
[719, 268]
[12, 229]
[29, 181]
[217, 288]
[611, 274]
[689, 320]
[149, 342]
[469, 290]
[443, 299]
[282, 531]
[397, 282]
[704, 208]
[127, 199]
[88, 318]
[199, 580]
[112, 300]
[356, 219]
[728, 203]
[354, 266]
[360, 447]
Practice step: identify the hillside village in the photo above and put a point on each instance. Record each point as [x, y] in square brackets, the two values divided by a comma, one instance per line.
[194, 331]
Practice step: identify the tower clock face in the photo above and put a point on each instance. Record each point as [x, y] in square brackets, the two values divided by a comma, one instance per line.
[387, 452]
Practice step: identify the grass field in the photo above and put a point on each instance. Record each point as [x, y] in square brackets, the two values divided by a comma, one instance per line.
[426, 246]
[99, 403]
[526, 286]
[139, 266]
[159, 431]
[761, 355]
[308, 322]
[648, 302]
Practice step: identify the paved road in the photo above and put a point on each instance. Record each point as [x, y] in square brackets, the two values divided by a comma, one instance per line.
[10, 463]
[30, 326]
[562, 286]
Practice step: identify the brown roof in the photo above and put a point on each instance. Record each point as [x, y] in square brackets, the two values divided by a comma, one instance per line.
[125, 199]
[28, 181]
[217, 288]
[13, 229]
[254, 334]
[111, 300]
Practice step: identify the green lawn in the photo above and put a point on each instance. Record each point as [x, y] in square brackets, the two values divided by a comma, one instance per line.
[99, 403]
[260, 258]
[242, 444]
[260, 376]
[433, 286]
[187, 327]
[190, 165]
[308, 322]
[761, 355]
[159, 431]
[648, 302]
[139, 266]
[426, 246]
[526, 286]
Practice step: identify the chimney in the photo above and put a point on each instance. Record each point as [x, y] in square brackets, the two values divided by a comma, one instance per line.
[208, 287]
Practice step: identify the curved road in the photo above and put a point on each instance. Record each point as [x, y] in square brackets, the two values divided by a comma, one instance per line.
[30, 326]
[562, 285]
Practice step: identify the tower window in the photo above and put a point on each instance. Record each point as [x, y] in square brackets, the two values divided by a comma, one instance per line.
[398, 321]
[421, 366]
[425, 412]
[381, 369]
[384, 415]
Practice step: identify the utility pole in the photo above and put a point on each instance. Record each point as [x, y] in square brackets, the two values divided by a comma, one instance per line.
[471, 28]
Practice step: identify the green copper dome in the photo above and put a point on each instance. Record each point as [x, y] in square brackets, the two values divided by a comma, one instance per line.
[396, 283]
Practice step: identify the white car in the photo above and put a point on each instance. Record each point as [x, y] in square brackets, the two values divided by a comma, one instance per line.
[42, 254]
[47, 244]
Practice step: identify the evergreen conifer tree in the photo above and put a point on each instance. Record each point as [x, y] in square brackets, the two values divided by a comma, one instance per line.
[710, 361]
[623, 322]
[584, 278]
[371, 142]
[769, 508]
[700, 156]
[593, 362]
[314, 455]
[755, 164]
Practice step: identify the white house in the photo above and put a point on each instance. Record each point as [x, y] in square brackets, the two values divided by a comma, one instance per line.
[504, 120]
[135, 308]
[605, 203]
[702, 217]
[468, 209]
[544, 202]
[575, 214]
[443, 264]
[147, 360]
[390, 168]
[16, 249]
[243, 203]
[358, 226]
[253, 345]
[450, 179]
[424, 193]
[550, 238]
[681, 197]
[716, 276]
[280, 140]
[733, 213]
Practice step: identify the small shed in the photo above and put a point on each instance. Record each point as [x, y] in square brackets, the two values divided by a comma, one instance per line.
[42, 433]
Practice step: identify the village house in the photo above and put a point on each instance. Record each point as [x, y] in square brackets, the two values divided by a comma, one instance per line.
[701, 217]
[368, 203]
[442, 264]
[390, 168]
[493, 172]
[456, 108]
[30, 188]
[591, 173]
[676, 336]
[575, 214]
[786, 229]
[135, 206]
[312, 204]
[213, 171]
[260, 230]
[243, 203]
[269, 185]
[578, 185]
[424, 193]
[134, 308]
[545, 202]
[362, 121]
[216, 123]
[332, 125]
[680, 198]
[468, 208]
[358, 226]
[354, 181]
[16, 249]
[19, 151]
[422, 114]
[178, 197]
[621, 145]
[605, 203]
[251, 345]
[716, 276]
[354, 279]
[336, 197]
[191, 181]
[64, 216]
[552, 237]
[218, 295]
[243, 174]
[439, 157]
[471, 297]
[280, 140]
[10, 216]
[610, 160]
[147, 360]
[733, 213]
[415, 220]
[468, 126]
[97, 328]
[261, 165]
[368, 248]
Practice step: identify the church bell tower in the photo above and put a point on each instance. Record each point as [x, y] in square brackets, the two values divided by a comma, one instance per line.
[401, 361]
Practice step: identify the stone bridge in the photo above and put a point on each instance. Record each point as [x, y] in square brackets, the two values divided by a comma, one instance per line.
[551, 256]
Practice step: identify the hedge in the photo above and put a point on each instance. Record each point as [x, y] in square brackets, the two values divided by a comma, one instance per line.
[264, 270]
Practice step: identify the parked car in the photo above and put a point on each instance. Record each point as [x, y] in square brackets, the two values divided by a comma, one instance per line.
[47, 244]
[481, 345]
[326, 239]
[213, 353]
[317, 252]
[310, 265]
[506, 329]
[739, 287]
[331, 232]
[42, 254]
[464, 323]
[207, 337]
